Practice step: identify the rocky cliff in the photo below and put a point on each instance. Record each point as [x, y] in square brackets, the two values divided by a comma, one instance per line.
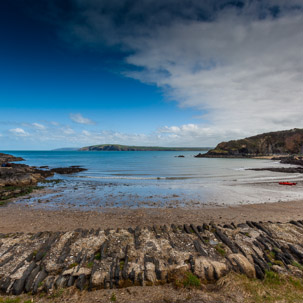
[288, 142]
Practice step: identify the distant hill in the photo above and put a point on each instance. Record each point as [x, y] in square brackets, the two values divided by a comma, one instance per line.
[118, 147]
[66, 149]
[287, 142]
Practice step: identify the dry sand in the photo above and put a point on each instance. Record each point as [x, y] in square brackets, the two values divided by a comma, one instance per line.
[17, 218]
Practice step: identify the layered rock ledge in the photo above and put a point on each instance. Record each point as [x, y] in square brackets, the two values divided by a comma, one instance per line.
[20, 179]
[94, 259]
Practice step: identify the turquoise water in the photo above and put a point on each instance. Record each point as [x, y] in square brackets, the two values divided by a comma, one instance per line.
[158, 179]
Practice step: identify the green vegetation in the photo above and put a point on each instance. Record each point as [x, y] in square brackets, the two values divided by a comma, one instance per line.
[275, 288]
[73, 265]
[98, 256]
[56, 294]
[191, 280]
[113, 297]
[118, 147]
[90, 264]
[220, 249]
[298, 265]
[122, 262]
[10, 300]
[184, 279]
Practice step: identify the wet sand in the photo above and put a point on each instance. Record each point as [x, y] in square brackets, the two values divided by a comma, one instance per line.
[19, 218]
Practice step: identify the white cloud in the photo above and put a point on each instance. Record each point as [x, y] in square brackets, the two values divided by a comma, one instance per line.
[241, 67]
[86, 133]
[244, 75]
[54, 123]
[19, 132]
[78, 118]
[39, 126]
[68, 131]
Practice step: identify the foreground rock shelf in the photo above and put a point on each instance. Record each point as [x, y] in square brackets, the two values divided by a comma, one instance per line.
[93, 259]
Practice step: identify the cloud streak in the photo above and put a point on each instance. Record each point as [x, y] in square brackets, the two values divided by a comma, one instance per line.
[78, 118]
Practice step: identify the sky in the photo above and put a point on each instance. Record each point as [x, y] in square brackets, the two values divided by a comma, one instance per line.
[148, 72]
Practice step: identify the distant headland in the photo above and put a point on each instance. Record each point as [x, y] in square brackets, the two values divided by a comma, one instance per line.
[118, 147]
[282, 143]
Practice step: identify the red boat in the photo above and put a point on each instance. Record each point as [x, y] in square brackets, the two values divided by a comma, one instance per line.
[287, 183]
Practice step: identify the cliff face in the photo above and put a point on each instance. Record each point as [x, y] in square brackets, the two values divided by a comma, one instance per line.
[288, 142]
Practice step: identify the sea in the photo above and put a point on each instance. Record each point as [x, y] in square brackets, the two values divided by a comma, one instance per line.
[156, 179]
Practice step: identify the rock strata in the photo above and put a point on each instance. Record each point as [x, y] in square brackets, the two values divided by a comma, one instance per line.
[93, 259]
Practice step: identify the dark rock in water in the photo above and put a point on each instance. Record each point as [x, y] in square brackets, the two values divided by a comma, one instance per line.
[292, 160]
[289, 170]
[180, 156]
[18, 179]
[68, 170]
[5, 158]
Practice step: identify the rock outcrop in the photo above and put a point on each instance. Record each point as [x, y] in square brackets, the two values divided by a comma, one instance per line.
[67, 170]
[21, 179]
[5, 158]
[288, 142]
[92, 259]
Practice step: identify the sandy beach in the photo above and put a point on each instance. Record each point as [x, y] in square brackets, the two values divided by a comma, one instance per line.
[17, 218]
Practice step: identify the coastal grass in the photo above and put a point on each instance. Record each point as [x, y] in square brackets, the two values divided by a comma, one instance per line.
[274, 288]
[10, 300]
[191, 280]
[234, 287]
[184, 280]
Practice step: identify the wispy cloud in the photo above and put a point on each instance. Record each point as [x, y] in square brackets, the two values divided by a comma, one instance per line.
[19, 132]
[38, 126]
[78, 118]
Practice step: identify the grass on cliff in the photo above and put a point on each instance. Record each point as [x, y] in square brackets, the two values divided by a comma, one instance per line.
[274, 288]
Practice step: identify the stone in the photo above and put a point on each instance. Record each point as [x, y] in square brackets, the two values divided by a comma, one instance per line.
[80, 283]
[241, 263]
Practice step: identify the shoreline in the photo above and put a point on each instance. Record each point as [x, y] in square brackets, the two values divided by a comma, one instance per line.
[19, 218]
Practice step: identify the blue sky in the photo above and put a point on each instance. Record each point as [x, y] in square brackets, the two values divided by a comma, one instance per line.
[76, 73]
